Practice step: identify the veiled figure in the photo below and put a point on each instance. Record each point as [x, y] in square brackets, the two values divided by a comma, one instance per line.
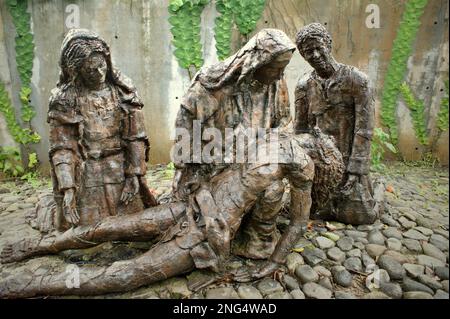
[98, 145]
[247, 90]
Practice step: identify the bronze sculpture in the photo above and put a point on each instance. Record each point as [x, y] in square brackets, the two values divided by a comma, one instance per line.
[197, 230]
[247, 90]
[98, 145]
[194, 234]
[337, 98]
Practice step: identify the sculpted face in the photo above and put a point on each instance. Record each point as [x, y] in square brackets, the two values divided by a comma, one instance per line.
[93, 70]
[274, 70]
[317, 54]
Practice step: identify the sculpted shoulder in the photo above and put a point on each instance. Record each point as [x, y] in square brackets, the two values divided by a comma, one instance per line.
[63, 106]
[302, 85]
[356, 76]
[199, 101]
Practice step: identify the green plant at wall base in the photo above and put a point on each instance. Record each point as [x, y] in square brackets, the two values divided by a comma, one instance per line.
[380, 142]
[442, 118]
[11, 164]
[417, 109]
[20, 135]
[10, 161]
[401, 50]
[186, 20]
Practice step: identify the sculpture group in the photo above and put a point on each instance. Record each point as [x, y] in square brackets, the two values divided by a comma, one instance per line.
[99, 148]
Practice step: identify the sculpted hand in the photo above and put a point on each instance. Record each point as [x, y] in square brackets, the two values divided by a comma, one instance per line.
[246, 275]
[69, 207]
[351, 180]
[130, 190]
[218, 233]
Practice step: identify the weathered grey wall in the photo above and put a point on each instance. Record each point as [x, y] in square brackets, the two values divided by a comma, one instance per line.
[5, 137]
[139, 35]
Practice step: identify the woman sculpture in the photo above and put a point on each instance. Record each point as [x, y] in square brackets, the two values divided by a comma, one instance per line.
[246, 91]
[98, 145]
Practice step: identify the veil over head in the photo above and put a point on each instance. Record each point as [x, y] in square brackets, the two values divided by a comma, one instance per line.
[260, 50]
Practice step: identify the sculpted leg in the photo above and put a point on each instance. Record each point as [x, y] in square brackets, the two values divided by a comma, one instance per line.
[141, 226]
[258, 235]
[161, 262]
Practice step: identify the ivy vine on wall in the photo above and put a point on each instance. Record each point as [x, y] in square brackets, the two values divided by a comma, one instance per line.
[442, 118]
[20, 135]
[185, 18]
[244, 13]
[247, 14]
[401, 51]
[417, 110]
[24, 53]
[223, 27]
[24, 47]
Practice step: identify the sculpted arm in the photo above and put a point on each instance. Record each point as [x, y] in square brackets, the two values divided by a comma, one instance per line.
[301, 108]
[64, 156]
[282, 116]
[301, 184]
[137, 151]
[359, 161]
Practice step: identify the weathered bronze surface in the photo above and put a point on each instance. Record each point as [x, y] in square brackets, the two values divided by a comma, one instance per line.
[98, 145]
[195, 234]
[247, 90]
[98, 153]
[338, 99]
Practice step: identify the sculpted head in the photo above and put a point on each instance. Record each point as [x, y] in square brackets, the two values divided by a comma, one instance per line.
[85, 59]
[314, 44]
[93, 70]
[274, 70]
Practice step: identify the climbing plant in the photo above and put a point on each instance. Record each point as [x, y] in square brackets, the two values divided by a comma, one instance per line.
[401, 51]
[10, 157]
[417, 110]
[21, 135]
[24, 53]
[223, 27]
[380, 142]
[247, 14]
[244, 13]
[442, 118]
[185, 18]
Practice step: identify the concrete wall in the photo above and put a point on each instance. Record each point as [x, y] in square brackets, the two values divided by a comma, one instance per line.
[139, 35]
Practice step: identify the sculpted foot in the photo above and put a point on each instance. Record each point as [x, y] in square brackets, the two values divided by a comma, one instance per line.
[19, 251]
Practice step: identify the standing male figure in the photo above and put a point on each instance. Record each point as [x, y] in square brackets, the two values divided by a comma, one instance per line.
[337, 99]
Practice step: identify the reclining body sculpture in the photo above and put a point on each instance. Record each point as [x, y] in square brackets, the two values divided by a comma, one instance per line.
[196, 234]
